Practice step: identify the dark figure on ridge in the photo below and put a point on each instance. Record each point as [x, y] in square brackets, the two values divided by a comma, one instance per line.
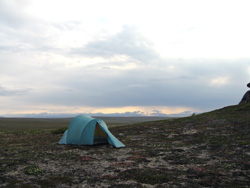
[246, 98]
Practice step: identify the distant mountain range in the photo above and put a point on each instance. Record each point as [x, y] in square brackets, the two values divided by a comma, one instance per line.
[67, 115]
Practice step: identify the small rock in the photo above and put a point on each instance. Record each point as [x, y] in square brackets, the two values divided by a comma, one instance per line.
[248, 85]
[2, 180]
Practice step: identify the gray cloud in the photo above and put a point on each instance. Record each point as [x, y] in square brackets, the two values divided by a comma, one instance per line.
[28, 60]
[5, 92]
[10, 92]
[23, 33]
[89, 87]
[12, 13]
[128, 42]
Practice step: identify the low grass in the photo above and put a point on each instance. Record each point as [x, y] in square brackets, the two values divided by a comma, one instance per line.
[206, 150]
[23, 124]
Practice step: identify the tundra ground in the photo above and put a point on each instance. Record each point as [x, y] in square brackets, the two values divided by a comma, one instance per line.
[206, 150]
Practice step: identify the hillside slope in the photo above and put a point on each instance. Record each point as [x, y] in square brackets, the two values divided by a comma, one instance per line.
[206, 150]
[211, 149]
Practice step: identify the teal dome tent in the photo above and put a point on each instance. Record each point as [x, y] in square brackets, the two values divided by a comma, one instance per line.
[85, 130]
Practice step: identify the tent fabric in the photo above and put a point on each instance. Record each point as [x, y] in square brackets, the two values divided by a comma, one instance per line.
[85, 130]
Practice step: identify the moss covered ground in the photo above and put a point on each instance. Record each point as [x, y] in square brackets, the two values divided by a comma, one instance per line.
[206, 150]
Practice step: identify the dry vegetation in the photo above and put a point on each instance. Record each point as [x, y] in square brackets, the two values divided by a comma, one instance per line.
[207, 150]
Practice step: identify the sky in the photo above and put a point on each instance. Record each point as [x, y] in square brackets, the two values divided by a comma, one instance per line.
[152, 57]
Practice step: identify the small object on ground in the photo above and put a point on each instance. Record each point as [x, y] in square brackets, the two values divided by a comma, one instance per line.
[85, 130]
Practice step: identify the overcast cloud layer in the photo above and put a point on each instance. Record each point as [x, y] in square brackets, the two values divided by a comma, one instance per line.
[153, 57]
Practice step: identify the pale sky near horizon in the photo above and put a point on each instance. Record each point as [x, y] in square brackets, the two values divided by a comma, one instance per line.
[143, 57]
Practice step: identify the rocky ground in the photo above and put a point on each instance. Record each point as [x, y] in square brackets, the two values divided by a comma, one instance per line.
[207, 150]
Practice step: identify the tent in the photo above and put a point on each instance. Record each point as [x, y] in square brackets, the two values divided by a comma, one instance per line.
[85, 130]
